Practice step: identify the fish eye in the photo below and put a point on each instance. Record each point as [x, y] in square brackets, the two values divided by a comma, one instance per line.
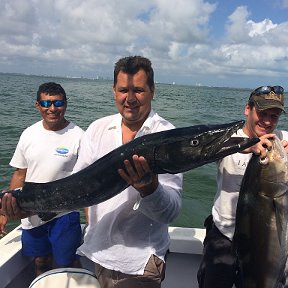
[194, 142]
[264, 161]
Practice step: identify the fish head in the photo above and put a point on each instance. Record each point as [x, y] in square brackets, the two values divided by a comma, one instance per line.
[273, 170]
[195, 146]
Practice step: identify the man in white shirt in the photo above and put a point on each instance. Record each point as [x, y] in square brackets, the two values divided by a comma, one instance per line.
[46, 151]
[127, 235]
[219, 265]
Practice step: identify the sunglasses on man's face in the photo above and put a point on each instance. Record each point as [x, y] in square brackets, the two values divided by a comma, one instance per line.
[267, 89]
[48, 103]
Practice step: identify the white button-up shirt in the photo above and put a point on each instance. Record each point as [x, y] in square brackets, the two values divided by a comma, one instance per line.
[124, 231]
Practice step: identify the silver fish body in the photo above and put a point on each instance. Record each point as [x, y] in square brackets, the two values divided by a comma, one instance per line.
[172, 151]
[261, 232]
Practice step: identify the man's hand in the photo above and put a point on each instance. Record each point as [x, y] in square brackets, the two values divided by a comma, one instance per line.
[139, 175]
[10, 209]
[262, 146]
[285, 145]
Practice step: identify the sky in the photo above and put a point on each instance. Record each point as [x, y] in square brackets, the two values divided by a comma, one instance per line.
[224, 43]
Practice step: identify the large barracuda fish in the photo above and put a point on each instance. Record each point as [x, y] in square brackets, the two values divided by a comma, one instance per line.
[172, 151]
[261, 232]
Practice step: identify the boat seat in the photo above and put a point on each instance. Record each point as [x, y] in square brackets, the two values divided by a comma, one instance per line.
[66, 278]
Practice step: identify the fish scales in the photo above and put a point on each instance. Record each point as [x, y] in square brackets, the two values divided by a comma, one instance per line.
[260, 238]
[171, 151]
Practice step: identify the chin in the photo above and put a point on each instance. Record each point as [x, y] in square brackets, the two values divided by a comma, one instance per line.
[263, 131]
[54, 120]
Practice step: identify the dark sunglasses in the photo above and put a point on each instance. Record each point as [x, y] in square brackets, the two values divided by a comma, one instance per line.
[48, 103]
[267, 90]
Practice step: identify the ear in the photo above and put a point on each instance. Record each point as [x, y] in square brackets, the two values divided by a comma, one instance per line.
[153, 93]
[114, 91]
[37, 105]
[247, 109]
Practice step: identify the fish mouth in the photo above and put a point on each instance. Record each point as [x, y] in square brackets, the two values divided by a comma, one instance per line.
[222, 143]
[236, 144]
[200, 146]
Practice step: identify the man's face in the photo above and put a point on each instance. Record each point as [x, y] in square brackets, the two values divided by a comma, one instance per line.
[259, 123]
[53, 117]
[133, 98]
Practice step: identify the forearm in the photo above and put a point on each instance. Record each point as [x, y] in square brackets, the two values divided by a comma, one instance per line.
[86, 214]
[17, 179]
[3, 222]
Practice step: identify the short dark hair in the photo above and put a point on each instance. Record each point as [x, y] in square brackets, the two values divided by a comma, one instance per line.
[251, 104]
[52, 89]
[131, 65]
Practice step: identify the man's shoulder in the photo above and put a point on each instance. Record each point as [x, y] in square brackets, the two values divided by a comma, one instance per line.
[75, 128]
[33, 127]
[104, 121]
[161, 123]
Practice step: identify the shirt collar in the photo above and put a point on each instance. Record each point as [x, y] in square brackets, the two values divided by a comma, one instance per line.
[116, 122]
[147, 125]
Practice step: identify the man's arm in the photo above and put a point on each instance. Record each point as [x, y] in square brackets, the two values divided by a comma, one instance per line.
[140, 177]
[3, 222]
[159, 201]
[18, 178]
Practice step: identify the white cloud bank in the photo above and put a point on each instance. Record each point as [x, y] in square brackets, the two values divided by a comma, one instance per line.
[86, 37]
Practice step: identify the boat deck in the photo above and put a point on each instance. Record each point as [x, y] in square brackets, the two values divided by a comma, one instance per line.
[182, 261]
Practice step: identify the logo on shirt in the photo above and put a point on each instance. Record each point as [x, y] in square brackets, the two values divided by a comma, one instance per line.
[242, 163]
[62, 150]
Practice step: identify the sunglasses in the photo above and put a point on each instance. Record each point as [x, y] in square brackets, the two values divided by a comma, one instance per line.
[267, 90]
[48, 103]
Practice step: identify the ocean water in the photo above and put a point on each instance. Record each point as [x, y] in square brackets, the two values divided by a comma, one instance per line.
[91, 99]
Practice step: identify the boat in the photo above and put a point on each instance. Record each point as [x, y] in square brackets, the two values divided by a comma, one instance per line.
[183, 259]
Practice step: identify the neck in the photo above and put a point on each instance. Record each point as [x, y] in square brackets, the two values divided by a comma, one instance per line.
[128, 133]
[249, 132]
[56, 126]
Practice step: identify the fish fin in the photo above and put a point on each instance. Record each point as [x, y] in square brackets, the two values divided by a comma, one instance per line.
[281, 221]
[47, 216]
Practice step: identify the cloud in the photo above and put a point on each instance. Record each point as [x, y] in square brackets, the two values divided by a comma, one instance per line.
[86, 37]
[237, 28]
[254, 48]
[240, 29]
[86, 29]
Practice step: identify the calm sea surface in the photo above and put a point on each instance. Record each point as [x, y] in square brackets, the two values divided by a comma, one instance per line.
[92, 99]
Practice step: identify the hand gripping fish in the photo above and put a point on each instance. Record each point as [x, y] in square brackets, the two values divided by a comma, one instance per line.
[172, 151]
[261, 232]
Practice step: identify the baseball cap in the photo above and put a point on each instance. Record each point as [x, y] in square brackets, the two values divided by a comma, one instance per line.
[266, 97]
